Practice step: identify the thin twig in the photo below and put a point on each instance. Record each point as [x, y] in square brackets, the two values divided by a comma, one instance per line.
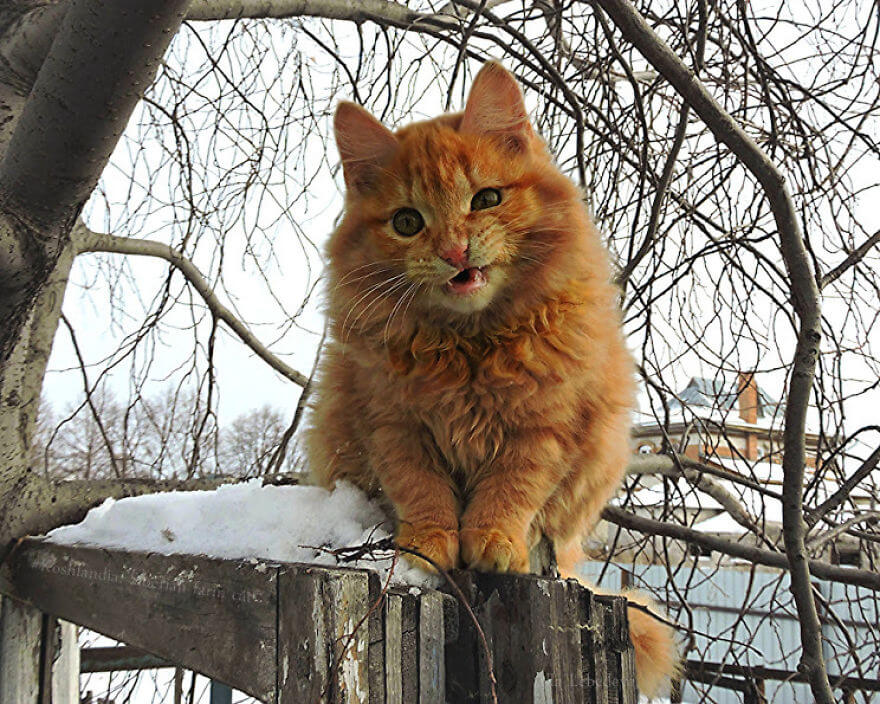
[91, 404]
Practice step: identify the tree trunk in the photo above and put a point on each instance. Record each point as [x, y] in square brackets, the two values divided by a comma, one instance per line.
[71, 76]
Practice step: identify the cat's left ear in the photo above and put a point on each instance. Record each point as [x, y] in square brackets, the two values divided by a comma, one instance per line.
[495, 106]
[364, 143]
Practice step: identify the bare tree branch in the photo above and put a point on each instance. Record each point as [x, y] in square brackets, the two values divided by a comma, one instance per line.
[845, 489]
[111, 453]
[379, 10]
[819, 540]
[759, 556]
[670, 467]
[700, 480]
[100, 242]
[851, 260]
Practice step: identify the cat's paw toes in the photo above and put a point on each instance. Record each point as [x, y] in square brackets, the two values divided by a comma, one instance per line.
[438, 544]
[493, 550]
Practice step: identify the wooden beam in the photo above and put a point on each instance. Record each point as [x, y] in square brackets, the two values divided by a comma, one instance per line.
[289, 633]
[166, 605]
[548, 641]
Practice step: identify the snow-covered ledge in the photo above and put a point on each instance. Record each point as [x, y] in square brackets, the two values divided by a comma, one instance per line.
[288, 631]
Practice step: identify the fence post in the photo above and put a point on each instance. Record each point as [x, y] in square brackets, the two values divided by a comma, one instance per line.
[65, 669]
[21, 639]
[39, 656]
[548, 641]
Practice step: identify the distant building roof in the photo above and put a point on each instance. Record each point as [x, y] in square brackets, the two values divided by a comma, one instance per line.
[721, 394]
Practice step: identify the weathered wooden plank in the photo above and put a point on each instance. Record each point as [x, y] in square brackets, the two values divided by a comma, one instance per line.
[21, 630]
[303, 656]
[346, 604]
[432, 648]
[566, 654]
[401, 647]
[533, 631]
[119, 657]
[167, 605]
[550, 641]
[375, 638]
[594, 661]
[465, 659]
[629, 690]
[617, 649]
[65, 667]
[393, 651]
[331, 648]
[288, 634]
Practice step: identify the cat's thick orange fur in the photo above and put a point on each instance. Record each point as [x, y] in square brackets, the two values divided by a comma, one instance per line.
[489, 417]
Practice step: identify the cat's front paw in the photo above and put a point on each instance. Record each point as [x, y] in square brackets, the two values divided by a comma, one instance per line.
[493, 550]
[438, 544]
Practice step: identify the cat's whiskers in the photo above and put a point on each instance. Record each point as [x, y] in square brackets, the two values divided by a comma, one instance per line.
[385, 282]
[361, 268]
[412, 298]
[379, 268]
[397, 285]
[433, 272]
[410, 290]
[377, 272]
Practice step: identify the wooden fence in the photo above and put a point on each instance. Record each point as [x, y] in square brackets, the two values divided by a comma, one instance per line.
[296, 634]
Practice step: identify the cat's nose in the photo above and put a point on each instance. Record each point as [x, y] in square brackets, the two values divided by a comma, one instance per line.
[456, 256]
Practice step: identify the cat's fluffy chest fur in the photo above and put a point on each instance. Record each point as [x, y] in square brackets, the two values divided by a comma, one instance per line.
[473, 393]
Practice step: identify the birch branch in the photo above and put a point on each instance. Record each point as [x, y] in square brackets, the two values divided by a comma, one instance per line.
[383, 11]
[699, 480]
[844, 490]
[99, 242]
[758, 556]
[851, 260]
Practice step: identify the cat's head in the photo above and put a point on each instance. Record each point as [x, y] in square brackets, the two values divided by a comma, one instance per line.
[451, 216]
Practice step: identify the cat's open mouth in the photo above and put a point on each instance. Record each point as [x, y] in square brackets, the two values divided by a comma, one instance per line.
[467, 281]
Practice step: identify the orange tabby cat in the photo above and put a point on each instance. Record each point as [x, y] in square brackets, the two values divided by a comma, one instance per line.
[476, 371]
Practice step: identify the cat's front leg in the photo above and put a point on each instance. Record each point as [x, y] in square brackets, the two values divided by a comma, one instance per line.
[504, 502]
[422, 494]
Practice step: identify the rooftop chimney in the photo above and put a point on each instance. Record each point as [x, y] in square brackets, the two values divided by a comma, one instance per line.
[747, 396]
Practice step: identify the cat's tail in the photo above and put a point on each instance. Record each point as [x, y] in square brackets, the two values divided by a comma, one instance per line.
[657, 657]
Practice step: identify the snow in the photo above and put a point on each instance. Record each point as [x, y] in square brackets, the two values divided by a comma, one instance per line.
[722, 524]
[246, 521]
[683, 494]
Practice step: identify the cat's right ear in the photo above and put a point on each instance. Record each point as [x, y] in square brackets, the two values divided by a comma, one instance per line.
[365, 145]
[495, 106]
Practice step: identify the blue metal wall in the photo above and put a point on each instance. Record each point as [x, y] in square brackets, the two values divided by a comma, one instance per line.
[747, 617]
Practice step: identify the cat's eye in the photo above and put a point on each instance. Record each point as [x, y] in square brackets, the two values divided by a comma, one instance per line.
[487, 198]
[407, 222]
